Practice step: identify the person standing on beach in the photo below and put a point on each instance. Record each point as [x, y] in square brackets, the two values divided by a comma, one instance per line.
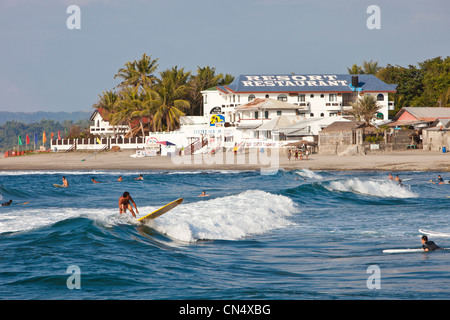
[124, 204]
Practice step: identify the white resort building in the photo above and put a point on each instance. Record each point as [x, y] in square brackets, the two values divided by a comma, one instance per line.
[260, 111]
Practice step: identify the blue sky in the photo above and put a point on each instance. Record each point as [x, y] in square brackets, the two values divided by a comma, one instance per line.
[44, 66]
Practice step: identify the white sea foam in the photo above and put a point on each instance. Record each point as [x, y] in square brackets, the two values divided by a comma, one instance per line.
[228, 218]
[306, 173]
[388, 189]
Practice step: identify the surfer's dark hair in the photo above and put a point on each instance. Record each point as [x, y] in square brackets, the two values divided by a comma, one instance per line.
[425, 238]
[126, 194]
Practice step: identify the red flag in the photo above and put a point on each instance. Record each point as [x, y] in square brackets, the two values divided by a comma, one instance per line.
[28, 139]
[52, 136]
[59, 135]
[44, 138]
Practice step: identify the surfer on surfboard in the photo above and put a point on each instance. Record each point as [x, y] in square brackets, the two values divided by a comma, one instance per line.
[428, 245]
[124, 204]
[65, 182]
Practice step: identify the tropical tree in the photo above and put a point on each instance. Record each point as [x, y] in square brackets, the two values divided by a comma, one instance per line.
[365, 109]
[371, 67]
[205, 78]
[139, 72]
[368, 67]
[355, 69]
[168, 103]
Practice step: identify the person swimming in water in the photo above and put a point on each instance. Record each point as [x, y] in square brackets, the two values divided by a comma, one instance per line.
[429, 245]
[5, 204]
[204, 194]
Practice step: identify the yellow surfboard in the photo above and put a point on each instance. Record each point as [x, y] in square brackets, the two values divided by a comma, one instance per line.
[161, 211]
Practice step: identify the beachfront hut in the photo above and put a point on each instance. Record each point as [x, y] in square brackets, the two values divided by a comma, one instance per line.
[342, 137]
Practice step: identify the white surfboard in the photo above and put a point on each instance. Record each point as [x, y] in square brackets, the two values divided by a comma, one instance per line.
[402, 250]
[436, 234]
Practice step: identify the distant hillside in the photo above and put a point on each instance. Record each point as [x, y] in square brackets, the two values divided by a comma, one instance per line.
[32, 117]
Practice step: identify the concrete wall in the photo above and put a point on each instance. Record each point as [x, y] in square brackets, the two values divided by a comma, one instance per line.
[434, 140]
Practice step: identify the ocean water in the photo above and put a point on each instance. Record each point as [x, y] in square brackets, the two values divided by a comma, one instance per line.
[291, 235]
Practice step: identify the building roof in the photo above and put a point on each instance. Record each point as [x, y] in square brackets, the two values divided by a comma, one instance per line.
[296, 83]
[422, 114]
[267, 104]
[278, 123]
[340, 126]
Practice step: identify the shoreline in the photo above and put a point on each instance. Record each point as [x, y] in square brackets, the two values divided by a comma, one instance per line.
[408, 160]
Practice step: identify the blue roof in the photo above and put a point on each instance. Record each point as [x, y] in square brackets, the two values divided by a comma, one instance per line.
[291, 83]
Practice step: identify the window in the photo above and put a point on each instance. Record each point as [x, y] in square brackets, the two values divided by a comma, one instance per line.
[322, 115]
[322, 95]
[332, 97]
[311, 115]
[301, 98]
[380, 97]
[256, 114]
[266, 114]
[251, 97]
[282, 97]
[279, 112]
[267, 96]
[311, 95]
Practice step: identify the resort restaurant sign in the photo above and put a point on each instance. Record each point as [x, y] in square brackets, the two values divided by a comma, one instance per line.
[286, 81]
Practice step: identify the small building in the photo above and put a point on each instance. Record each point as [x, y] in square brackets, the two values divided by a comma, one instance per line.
[419, 117]
[101, 126]
[342, 137]
[437, 138]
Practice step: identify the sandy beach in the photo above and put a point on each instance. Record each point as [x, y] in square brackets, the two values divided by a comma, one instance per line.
[410, 160]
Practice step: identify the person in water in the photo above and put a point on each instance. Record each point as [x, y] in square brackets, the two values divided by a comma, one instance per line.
[139, 178]
[439, 180]
[65, 182]
[95, 181]
[398, 180]
[124, 204]
[120, 179]
[390, 177]
[428, 245]
[7, 203]
[204, 194]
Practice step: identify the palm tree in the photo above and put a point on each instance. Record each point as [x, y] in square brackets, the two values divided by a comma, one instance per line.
[107, 102]
[365, 109]
[138, 73]
[371, 67]
[135, 104]
[168, 103]
[205, 78]
[355, 69]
